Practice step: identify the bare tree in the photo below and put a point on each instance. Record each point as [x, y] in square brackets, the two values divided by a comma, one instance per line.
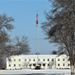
[20, 46]
[59, 27]
[9, 47]
[5, 26]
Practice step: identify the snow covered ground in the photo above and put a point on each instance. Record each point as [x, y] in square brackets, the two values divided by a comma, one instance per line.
[32, 71]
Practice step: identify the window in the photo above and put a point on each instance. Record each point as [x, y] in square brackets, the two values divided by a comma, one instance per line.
[14, 65]
[68, 64]
[63, 64]
[48, 65]
[58, 64]
[58, 59]
[63, 59]
[25, 60]
[14, 59]
[34, 65]
[30, 64]
[19, 59]
[29, 59]
[19, 65]
[38, 59]
[43, 59]
[33, 59]
[43, 64]
[39, 64]
[9, 65]
[52, 59]
[47, 59]
[9, 60]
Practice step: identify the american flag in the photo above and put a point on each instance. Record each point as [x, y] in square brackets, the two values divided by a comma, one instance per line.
[36, 20]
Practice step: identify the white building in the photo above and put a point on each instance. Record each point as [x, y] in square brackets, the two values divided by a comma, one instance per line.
[31, 61]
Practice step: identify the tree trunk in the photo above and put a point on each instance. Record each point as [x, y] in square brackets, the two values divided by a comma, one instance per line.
[73, 69]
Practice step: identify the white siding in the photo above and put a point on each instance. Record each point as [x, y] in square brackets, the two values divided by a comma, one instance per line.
[46, 61]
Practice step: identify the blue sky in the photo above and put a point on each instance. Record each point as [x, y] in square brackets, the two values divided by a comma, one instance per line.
[24, 13]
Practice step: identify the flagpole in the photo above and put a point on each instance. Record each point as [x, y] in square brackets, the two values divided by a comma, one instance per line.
[37, 37]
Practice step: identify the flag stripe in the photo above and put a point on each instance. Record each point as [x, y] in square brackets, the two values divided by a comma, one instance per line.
[36, 19]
